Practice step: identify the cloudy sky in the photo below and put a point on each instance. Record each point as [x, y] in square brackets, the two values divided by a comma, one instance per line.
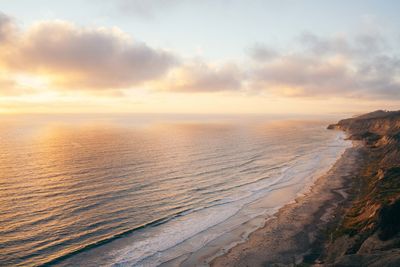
[192, 56]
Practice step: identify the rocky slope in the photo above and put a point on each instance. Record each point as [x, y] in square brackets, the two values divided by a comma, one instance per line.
[369, 233]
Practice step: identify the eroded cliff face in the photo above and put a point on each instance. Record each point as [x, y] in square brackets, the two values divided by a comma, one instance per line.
[379, 130]
[369, 234]
[378, 122]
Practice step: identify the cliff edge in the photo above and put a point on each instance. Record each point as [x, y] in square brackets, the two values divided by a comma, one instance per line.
[369, 233]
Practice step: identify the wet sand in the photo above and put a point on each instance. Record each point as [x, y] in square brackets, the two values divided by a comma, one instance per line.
[298, 231]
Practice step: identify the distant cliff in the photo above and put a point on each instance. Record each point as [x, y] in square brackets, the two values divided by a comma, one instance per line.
[378, 122]
[369, 233]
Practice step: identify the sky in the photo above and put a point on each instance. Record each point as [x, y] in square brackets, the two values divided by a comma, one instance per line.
[208, 56]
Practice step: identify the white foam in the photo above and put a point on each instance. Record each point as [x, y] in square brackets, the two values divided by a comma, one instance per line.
[192, 233]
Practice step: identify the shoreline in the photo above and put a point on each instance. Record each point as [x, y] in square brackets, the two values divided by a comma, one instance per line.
[297, 231]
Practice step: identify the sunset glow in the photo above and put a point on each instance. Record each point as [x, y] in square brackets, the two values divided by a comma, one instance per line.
[55, 61]
[199, 133]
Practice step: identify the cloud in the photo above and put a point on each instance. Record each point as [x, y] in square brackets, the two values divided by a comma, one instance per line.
[70, 57]
[360, 45]
[362, 67]
[380, 76]
[84, 58]
[199, 76]
[303, 76]
[260, 52]
[7, 28]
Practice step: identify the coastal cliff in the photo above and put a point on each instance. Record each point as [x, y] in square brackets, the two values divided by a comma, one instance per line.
[350, 217]
[369, 231]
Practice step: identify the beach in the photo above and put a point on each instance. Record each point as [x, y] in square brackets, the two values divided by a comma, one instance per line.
[349, 217]
[297, 232]
[119, 192]
[261, 194]
[214, 133]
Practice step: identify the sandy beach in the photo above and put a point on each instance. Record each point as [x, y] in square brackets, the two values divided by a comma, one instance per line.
[297, 232]
[156, 133]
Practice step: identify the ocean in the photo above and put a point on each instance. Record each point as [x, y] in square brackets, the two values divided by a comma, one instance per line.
[148, 190]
